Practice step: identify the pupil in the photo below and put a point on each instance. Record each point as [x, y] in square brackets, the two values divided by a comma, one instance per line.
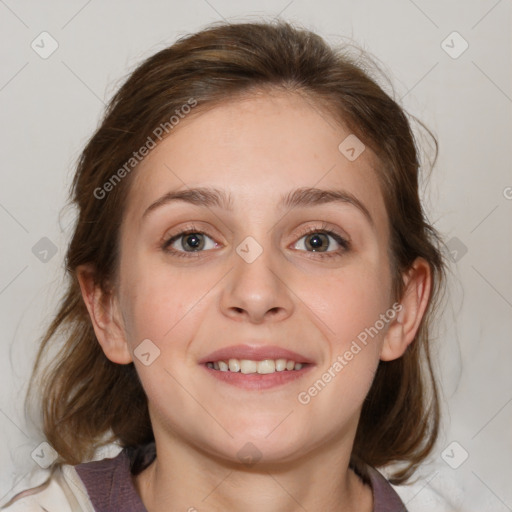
[196, 241]
[316, 241]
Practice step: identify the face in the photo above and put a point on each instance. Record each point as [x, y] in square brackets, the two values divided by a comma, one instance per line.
[264, 278]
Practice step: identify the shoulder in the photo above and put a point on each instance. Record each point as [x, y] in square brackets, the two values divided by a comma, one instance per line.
[385, 497]
[110, 483]
[62, 491]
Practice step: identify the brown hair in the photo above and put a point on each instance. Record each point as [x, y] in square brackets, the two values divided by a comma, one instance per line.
[84, 395]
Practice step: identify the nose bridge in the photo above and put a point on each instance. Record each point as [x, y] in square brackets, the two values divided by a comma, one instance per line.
[256, 287]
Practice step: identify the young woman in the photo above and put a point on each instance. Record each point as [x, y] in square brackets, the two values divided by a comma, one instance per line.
[251, 278]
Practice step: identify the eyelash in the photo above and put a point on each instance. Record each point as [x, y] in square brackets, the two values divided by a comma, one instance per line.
[343, 242]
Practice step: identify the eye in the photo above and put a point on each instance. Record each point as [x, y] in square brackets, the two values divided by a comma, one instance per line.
[317, 240]
[188, 241]
[192, 241]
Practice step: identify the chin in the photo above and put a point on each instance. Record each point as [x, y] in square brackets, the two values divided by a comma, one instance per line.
[278, 447]
[258, 453]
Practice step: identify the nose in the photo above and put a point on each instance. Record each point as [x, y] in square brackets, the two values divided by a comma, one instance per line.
[257, 290]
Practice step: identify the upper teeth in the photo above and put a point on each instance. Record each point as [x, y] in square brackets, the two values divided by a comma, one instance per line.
[250, 366]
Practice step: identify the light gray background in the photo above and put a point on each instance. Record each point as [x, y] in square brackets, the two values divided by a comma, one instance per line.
[51, 106]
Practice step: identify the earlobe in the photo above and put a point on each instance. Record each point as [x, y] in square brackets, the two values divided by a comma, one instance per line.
[105, 318]
[414, 301]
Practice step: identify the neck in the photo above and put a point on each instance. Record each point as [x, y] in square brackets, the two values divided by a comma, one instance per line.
[181, 478]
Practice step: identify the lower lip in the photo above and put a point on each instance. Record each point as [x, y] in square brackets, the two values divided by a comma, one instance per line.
[257, 381]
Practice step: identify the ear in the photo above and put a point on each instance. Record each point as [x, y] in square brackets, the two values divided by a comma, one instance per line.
[403, 329]
[105, 316]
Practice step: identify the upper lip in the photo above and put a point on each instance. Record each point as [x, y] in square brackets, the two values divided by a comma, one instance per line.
[254, 353]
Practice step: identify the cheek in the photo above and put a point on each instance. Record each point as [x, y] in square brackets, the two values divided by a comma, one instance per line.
[159, 301]
[351, 302]
[147, 293]
[351, 309]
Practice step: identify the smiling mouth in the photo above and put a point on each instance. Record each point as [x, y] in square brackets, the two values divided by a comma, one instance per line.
[249, 366]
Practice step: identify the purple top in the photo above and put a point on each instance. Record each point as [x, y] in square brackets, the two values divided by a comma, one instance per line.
[110, 486]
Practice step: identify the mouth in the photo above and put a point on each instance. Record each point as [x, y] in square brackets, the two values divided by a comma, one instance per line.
[256, 367]
[250, 366]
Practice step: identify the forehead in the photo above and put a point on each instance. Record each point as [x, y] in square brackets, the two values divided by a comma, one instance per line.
[258, 148]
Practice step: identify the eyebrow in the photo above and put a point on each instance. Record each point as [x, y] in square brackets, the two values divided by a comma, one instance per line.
[301, 197]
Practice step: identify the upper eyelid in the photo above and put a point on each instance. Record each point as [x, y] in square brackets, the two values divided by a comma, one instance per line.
[307, 230]
[328, 227]
[325, 226]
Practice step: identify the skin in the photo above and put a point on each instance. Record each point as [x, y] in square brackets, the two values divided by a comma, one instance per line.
[257, 149]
